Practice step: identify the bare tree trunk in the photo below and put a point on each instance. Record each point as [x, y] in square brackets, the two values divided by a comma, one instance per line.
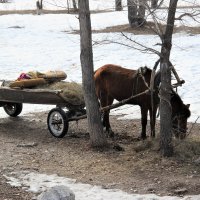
[132, 13]
[154, 3]
[118, 5]
[74, 5]
[67, 6]
[39, 6]
[97, 137]
[165, 110]
[136, 12]
[141, 11]
[165, 90]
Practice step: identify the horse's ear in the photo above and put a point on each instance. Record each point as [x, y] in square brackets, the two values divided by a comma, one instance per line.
[188, 105]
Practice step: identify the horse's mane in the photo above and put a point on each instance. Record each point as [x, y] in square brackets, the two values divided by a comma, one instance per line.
[144, 70]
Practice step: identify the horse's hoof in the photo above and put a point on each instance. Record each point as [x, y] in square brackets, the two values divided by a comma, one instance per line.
[111, 134]
[118, 148]
[153, 134]
[143, 137]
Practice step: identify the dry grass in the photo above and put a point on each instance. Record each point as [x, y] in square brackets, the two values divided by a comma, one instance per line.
[72, 92]
[188, 149]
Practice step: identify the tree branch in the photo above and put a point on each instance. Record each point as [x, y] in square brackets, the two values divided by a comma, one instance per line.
[145, 49]
[191, 15]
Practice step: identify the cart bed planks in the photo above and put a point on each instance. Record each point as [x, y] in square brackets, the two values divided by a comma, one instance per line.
[32, 96]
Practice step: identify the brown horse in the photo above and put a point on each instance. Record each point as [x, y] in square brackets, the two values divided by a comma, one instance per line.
[114, 82]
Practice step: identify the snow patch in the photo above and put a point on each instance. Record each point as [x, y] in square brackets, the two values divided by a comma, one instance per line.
[37, 183]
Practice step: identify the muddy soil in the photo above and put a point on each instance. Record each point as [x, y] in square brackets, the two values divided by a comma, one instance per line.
[136, 167]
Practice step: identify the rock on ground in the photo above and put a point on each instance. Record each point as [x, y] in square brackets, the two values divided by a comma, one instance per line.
[57, 193]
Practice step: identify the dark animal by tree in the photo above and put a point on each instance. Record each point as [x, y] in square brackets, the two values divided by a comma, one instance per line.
[114, 82]
[180, 114]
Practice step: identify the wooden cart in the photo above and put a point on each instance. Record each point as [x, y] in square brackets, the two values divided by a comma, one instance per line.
[12, 100]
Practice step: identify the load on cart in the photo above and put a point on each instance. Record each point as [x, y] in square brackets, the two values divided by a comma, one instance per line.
[44, 88]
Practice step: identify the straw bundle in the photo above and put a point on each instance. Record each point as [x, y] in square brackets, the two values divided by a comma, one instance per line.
[72, 92]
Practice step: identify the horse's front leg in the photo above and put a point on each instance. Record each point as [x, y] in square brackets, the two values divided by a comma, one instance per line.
[144, 122]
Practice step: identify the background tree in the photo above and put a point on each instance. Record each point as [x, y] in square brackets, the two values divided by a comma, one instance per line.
[3, 1]
[136, 12]
[154, 3]
[118, 5]
[39, 6]
[74, 5]
[97, 137]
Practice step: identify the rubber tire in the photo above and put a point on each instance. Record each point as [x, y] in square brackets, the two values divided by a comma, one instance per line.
[53, 129]
[13, 109]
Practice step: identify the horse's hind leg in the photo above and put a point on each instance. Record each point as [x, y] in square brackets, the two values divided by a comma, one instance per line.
[106, 101]
[144, 111]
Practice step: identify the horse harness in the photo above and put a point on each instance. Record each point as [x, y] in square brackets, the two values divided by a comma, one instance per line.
[140, 73]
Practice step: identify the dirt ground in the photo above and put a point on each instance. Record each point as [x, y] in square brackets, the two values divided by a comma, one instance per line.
[26, 144]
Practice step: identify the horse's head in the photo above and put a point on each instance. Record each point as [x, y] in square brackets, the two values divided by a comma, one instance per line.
[179, 121]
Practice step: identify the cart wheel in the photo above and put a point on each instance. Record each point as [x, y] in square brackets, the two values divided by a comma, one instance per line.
[57, 122]
[13, 109]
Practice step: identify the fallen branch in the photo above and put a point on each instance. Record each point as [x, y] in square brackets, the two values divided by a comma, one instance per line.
[116, 105]
[191, 15]
[123, 101]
